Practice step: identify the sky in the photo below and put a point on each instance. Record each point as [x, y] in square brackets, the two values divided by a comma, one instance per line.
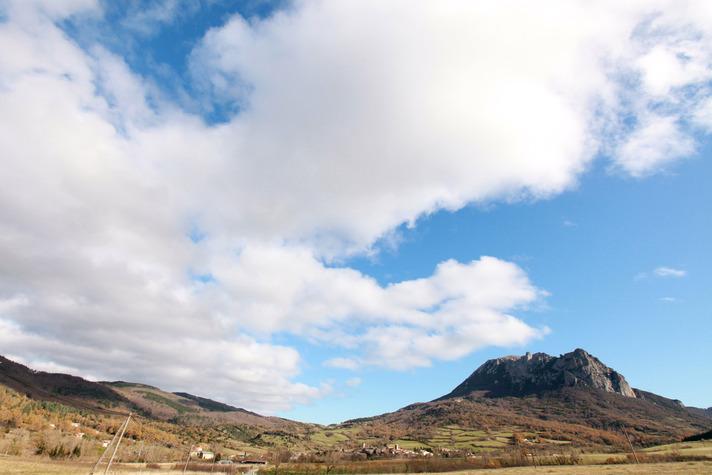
[331, 209]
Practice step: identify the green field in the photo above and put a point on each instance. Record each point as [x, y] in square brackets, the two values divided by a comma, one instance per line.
[476, 440]
[448, 437]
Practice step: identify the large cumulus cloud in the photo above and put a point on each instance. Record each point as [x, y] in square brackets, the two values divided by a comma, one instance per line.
[132, 230]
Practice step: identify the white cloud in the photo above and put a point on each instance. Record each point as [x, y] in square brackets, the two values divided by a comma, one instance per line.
[668, 66]
[33, 10]
[344, 134]
[146, 19]
[353, 382]
[669, 272]
[663, 272]
[671, 63]
[668, 299]
[655, 142]
[413, 99]
[702, 114]
[343, 363]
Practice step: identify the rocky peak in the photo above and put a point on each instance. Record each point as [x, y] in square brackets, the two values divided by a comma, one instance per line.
[531, 373]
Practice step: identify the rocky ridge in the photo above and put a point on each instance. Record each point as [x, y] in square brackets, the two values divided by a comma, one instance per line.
[533, 373]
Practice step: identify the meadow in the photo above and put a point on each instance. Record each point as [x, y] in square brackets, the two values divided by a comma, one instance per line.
[679, 458]
[18, 467]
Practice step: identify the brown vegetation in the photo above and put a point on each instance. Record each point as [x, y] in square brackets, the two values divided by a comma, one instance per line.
[586, 419]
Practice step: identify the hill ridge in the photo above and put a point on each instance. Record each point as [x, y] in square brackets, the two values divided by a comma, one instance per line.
[117, 397]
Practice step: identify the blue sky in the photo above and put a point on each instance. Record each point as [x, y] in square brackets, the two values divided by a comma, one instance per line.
[273, 205]
[588, 248]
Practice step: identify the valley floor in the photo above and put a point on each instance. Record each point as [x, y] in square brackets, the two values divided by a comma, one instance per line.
[12, 466]
[592, 464]
[672, 468]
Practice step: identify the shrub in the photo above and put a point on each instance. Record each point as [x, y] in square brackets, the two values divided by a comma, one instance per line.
[40, 446]
[58, 451]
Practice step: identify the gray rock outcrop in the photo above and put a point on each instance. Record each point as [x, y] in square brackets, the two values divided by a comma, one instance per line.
[532, 373]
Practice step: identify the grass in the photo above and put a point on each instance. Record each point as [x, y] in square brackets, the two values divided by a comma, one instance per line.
[165, 401]
[13, 466]
[17, 466]
[412, 444]
[682, 468]
[689, 449]
[457, 437]
[699, 447]
[555, 442]
[329, 437]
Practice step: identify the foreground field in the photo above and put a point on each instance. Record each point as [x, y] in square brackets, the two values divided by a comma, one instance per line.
[700, 448]
[19, 467]
[590, 464]
[13, 466]
[646, 468]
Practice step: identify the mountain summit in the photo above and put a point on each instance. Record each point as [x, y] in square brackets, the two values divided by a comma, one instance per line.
[533, 373]
[573, 397]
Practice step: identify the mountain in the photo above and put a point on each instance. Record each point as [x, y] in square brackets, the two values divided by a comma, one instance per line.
[63, 388]
[209, 404]
[547, 402]
[120, 397]
[701, 411]
[570, 399]
[65, 408]
[534, 373]
[189, 409]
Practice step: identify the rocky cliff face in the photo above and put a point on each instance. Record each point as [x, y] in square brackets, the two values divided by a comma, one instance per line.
[531, 373]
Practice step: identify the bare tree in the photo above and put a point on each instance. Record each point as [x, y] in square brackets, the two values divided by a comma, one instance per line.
[279, 456]
[331, 459]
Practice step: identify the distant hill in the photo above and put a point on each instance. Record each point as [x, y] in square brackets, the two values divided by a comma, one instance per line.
[570, 399]
[187, 408]
[63, 388]
[701, 411]
[537, 400]
[35, 405]
[122, 397]
[209, 404]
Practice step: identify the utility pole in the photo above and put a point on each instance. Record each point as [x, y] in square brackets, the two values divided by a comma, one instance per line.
[116, 448]
[108, 447]
[185, 467]
[631, 446]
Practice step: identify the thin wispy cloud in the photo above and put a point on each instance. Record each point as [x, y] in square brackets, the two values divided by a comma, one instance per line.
[662, 272]
[353, 382]
[342, 363]
[669, 272]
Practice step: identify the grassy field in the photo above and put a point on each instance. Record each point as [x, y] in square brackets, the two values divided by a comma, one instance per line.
[698, 448]
[462, 438]
[452, 437]
[13, 466]
[18, 467]
[683, 468]
[447, 437]
[591, 463]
